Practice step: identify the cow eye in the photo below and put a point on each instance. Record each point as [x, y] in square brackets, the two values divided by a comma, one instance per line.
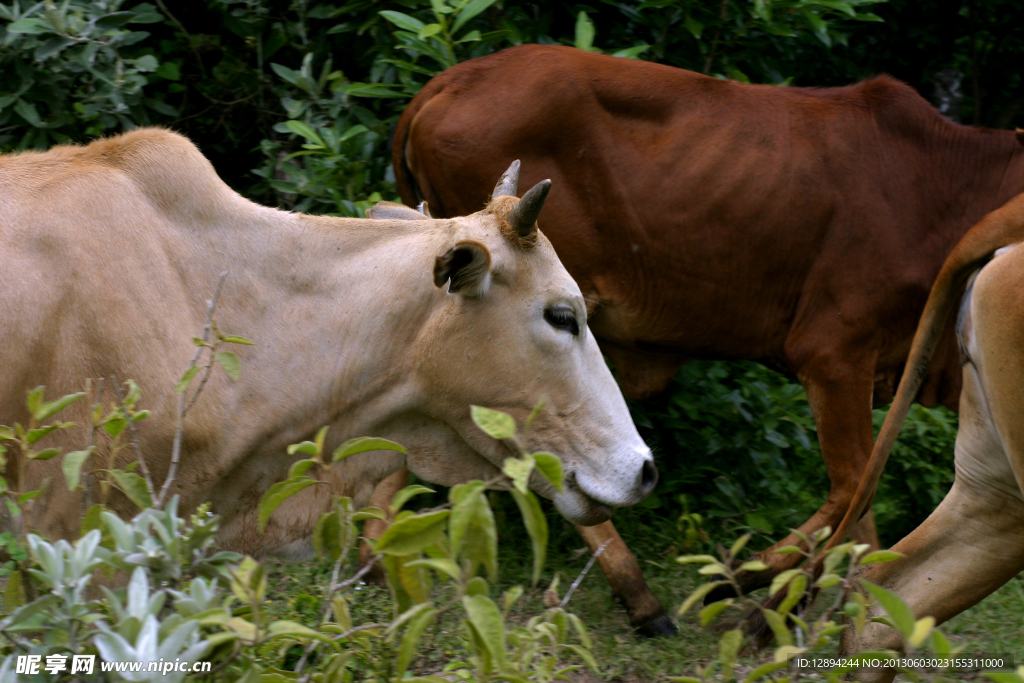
[563, 318]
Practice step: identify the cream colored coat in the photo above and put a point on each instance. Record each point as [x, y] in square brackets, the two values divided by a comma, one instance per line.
[111, 250]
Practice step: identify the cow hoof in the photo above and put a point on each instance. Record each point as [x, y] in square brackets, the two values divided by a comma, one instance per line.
[657, 627]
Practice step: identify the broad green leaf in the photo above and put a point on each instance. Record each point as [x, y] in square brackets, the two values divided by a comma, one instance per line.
[429, 30]
[277, 494]
[764, 670]
[494, 423]
[34, 435]
[72, 466]
[229, 361]
[403, 496]
[363, 444]
[45, 454]
[14, 592]
[473, 8]
[708, 614]
[307, 447]
[31, 495]
[28, 111]
[35, 396]
[369, 513]
[894, 606]
[441, 565]
[584, 32]
[550, 467]
[693, 559]
[6, 433]
[754, 566]
[537, 526]
[697, 595]
[922, 628]
[740, 543]
[880, 556]
[781, 580]
[53, 407]
[410, 641]
[133, 486]
[403, 20]
[729, 649]
[632, 52]
[518, 470]
[412, 534]
[472, 530]
[325, 535]
[485, 617]
[304, 130]
[186, 379]
[300, 467]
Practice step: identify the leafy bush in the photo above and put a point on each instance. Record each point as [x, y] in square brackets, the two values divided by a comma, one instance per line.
[799, 627]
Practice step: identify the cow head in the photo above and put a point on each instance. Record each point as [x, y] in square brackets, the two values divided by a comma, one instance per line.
[509, 329]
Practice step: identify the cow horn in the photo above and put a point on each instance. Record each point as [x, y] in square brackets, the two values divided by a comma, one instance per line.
[523, 216]
[508, 184]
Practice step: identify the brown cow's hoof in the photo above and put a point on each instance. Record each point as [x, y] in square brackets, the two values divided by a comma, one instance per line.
[657, 627]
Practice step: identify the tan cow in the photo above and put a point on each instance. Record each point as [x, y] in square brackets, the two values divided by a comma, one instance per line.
[974, 541]
[389, 328]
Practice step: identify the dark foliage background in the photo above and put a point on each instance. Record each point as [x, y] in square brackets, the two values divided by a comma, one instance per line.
[294, 101]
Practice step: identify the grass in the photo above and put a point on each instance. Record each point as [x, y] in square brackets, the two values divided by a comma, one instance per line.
[995, 626]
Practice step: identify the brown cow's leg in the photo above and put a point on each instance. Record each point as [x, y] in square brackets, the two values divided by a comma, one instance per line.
[646, 614]
[839, 388]
[373, 528]
[971, 545]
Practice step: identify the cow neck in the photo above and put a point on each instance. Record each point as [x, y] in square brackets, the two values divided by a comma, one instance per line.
[334, 307]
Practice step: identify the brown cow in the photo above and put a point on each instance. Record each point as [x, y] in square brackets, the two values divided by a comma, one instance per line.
[706, 218]
[387, 327]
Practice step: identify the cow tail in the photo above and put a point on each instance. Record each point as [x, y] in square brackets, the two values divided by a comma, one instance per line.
[1000, 228]
[405, 180]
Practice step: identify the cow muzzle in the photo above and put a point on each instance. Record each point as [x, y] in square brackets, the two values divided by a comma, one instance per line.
[589, 499]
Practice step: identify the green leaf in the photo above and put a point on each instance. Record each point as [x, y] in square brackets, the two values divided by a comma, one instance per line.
[52, 408]
[495, 424]
[133, 486]
[472, 530]
[229, 362]
[763, 670]
[537, 526]
[304, 130]
[584, 32]
[902, 616]
[740, 543]
[403, 496]
[72, 466]
[472, 9]
[518, 470]
[45, 454]
[369, 513]
[300, 467]
[31, 495]
[277, 494]
[429, 30]
[186, 379]
[35, 399]
[550, 467]
[403, 20]
[697, 595]
[34, 435]
[632, 52]
[412, 534]
[440, 565]
[708, 614]
[14, 592]
[694, 27]
[781, 580]
[486, 619]
[307, 447]
[729, 649]
[6, 433]
[777, 623]
[365, 443]
[30, 25]
[417, 625]
[235, 339]
[880, 556]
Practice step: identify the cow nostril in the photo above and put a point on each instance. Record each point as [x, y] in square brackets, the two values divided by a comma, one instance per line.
[648, 476]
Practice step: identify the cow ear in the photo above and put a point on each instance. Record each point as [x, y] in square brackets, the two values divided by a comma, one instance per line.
[467, 265]
[390, 210]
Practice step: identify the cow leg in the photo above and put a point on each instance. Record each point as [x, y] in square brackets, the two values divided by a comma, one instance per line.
[373, 528]
[646, 614]
[971, 545]
[839, 388]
